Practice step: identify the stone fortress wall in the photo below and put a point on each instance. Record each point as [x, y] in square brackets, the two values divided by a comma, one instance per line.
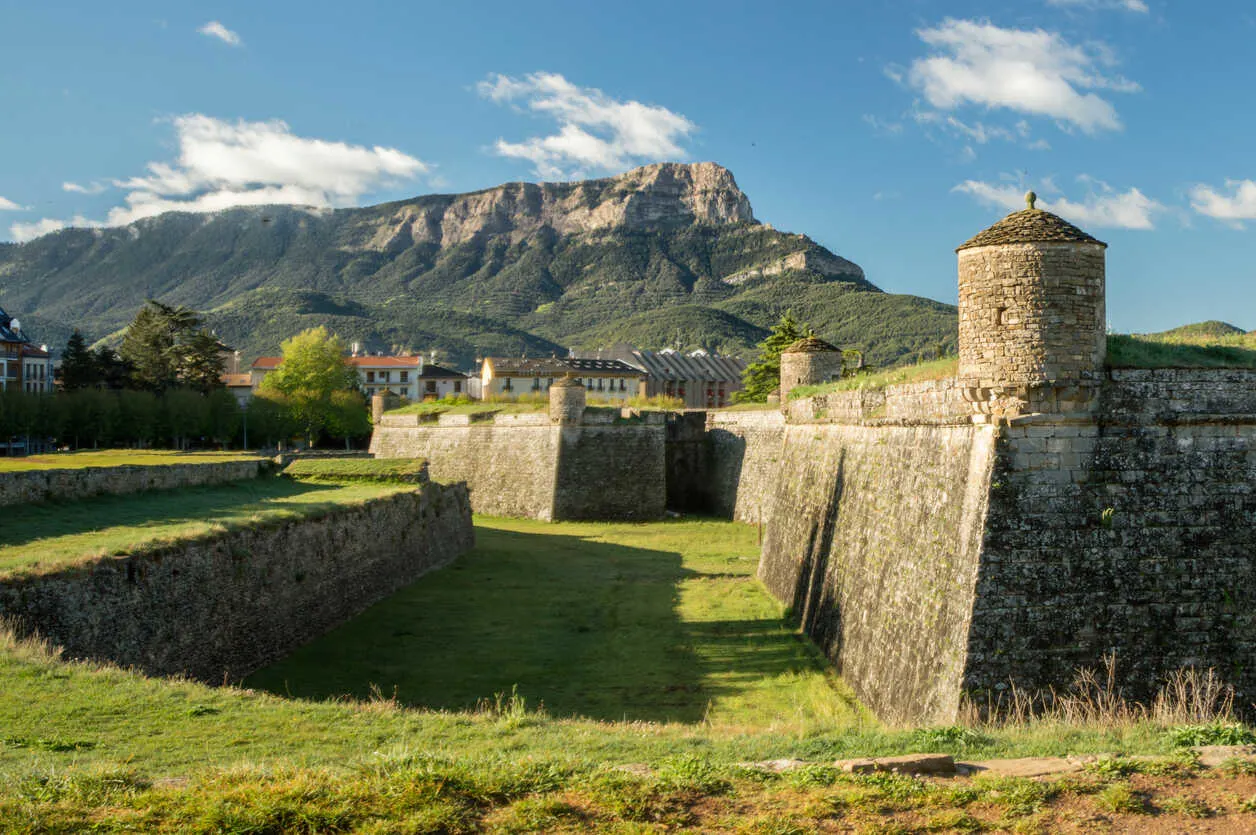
[605, 465]
[219, 606]
[942, 540]
[22, 486]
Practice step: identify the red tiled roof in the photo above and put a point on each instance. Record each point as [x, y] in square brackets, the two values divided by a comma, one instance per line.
[269, 363]
[31, 351]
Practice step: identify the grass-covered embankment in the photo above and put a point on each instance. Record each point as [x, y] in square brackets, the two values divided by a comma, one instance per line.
[44, 537]
[357, 469]
[650, 646]
[117, 458]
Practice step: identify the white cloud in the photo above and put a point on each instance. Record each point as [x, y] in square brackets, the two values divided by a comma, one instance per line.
[27, 231]
[881, 126]
[1102, 207]
[1026, 71]
[1235, 207]
[223, 164]
[7, 205]
[595, 131]
[1128, 5]
[91, 188]
[214, 29]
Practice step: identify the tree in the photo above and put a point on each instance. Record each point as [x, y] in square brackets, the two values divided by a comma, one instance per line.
[763, 376]
[201, 362]
[112, 371]
[312, 370]
[78, 365]
[348, 417]
[222, 416]
[166, 346]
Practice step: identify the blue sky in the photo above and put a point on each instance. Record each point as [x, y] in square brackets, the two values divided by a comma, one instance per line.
[890, 132]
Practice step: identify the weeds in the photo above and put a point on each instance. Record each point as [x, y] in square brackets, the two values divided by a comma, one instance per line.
[1120, 798]
[1212, 733]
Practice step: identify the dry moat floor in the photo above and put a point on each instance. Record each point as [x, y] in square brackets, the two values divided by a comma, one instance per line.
[559, 678]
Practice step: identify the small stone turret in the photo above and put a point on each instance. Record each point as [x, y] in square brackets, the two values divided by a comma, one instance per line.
[1032, 331]
[809, 362]
[379, 404]
[566, 401]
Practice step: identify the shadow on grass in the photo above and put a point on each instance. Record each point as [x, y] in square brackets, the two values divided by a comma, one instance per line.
[587, 628]
[149, 509]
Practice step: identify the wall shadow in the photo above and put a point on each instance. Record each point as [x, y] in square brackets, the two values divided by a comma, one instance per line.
[815, 605]
[587, 628]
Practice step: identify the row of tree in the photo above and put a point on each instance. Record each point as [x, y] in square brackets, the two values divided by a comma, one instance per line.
[180, 418]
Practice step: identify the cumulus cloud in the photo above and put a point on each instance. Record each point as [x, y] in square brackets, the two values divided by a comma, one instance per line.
[76, 188]
[1027, 71]
[1102, 207]
[28, 231]
[222, 164]
[7, 205]
[1126, 5]
[214, 29]
[1234, 207]
[594, 131]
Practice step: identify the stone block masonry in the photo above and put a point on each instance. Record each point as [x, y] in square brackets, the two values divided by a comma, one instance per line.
[604, 467]
[220, 606]
[70, 484]
[874, 541]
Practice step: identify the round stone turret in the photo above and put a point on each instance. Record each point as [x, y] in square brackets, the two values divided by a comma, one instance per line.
[809, 362]
[1031, 310]
[566, 401]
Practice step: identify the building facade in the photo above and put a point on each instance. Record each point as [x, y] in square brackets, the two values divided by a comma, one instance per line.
[408, 377]
[701, 380]
[605, 379]
[23, 365]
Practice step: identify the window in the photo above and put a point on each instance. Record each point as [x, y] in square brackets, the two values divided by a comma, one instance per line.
[623, 385]
[431, 387]
[405, 376]
[506, 385]
[536, 383]
[383, 375]
[370, 376]
[457, 386]
[599, 383]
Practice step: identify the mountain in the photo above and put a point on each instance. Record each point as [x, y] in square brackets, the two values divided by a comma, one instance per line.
[1212, 329]
[663, 255]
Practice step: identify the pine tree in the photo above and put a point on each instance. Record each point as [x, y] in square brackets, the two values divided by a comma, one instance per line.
[78, 365]
[762, 377]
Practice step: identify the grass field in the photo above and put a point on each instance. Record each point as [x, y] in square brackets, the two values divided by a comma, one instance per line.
[116, 458]
[44, 537]
[663, 622]
[651, 646]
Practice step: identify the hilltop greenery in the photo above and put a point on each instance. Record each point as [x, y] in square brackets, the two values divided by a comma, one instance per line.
[263, 274]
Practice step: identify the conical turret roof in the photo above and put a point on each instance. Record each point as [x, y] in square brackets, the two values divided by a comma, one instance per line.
[810, 345]
[1030, 226]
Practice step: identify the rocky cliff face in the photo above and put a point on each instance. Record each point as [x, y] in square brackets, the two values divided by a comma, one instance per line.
[663, 196]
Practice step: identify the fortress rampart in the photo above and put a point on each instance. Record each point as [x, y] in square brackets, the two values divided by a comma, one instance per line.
[586, 464]
[942, 540]
[42, 485]
[219, 606]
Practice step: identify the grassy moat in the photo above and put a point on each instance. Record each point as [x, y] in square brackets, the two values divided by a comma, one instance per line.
[558, 678]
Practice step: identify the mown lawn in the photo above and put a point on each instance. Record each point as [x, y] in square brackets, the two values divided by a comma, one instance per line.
[660, 622]
[38, 538]
[117, 458]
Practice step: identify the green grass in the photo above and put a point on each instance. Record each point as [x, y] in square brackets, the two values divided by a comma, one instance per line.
[46, 537]
[466, 406]
[939, 369]
[1135, 351]
[117, 458]
[664, 623]
[356, 469]
[647, 644]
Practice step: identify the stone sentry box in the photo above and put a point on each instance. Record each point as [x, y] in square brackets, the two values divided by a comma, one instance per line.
[1031, 314]
[809, 362]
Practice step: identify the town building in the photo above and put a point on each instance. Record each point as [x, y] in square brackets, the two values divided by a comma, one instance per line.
[23, 365]
[437, 382]
[607, 379]
[700, 379]
[36, 369]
